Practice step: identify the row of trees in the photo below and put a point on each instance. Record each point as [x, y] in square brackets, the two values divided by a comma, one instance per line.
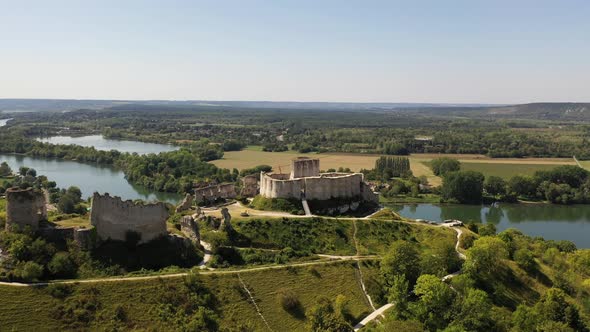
[561, 185]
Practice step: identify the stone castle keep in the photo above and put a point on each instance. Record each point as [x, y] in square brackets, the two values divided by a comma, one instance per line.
[113, 218]
[306, 182]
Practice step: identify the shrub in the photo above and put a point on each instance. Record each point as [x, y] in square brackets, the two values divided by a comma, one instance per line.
[287, 299]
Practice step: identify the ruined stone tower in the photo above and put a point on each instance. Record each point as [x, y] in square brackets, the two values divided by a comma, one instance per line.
[25, 207]
[303, 167]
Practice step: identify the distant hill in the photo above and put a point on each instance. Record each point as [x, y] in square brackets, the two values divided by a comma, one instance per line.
[538, 111]
[544, 111]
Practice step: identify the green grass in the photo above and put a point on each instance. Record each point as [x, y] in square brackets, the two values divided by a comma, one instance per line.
[27, 309]
[317, 235]
[375, 236]
[506, 171]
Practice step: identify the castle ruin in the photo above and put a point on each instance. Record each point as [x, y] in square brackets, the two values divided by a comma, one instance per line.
[25, 208]
[306, 182]
[113, 218]
[211, 193]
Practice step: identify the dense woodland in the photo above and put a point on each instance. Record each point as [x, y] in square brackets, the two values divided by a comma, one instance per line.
[363, 131]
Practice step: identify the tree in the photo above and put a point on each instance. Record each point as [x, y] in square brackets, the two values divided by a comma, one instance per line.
[323, 318]
[67, 204]
[399, 294]
[444, 165]
[62, 266]
[485, 256]
[495, 185]
[435, 302]
[23, 170]
[525, 259]
[463, 186]
[31, 172]
[522, 186]
[29, 271]
[401, 259]
[5, 169]
[474, 314]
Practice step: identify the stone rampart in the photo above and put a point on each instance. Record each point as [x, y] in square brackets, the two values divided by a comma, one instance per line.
[25, 208]
[113, 218]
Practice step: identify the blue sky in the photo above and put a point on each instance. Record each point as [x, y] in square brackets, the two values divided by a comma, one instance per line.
[364, 51]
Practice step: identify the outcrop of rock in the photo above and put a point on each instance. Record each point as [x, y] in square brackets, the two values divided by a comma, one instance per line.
[190, 228]
[113, 218]
[186, 204]
[25, 208]
[225, 221]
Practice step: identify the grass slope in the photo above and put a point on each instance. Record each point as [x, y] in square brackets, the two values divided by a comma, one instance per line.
[26, 309]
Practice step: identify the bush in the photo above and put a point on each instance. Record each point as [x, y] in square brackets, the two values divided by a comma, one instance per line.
[525, 259]
[288, 300]
[62, 266]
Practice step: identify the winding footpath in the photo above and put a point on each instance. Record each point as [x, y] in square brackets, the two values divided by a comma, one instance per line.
[379, 312]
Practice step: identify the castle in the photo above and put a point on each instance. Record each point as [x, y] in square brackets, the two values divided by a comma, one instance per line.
[306, 182]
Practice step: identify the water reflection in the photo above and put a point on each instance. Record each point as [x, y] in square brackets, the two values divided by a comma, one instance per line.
[88, 177]
[550, 221]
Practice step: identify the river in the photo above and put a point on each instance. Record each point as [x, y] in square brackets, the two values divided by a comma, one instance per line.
[101, 143]
[91, 177]
[552, 222]
[3, 122]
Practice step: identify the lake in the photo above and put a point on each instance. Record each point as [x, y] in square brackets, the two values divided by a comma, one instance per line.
[552, 222]
[101, 143]
[3, 122]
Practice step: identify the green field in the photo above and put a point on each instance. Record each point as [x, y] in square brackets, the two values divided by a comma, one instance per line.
[505, 170]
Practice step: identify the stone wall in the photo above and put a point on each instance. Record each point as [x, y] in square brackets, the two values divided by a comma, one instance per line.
[190, 228]
[113, 218]
[250, 186]
[25, 208]
[186, 204]
[271, 187]
[323, 187]
[304, 167]
[210, 193]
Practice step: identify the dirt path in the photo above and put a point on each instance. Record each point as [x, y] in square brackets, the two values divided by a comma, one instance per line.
[182, 274]
[254, 303]
[207, 256]
[358, 264]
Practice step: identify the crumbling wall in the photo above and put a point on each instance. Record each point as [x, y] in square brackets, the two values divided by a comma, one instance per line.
[304, 167]
[25, 208]
[190, 228]
[210, 193]
[249, 186]
[113, 218]
[186, 204]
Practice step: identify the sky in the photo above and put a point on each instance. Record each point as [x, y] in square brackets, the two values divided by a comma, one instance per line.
[436, 51]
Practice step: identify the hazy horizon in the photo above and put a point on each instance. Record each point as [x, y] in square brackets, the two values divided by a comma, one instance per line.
[458, 52]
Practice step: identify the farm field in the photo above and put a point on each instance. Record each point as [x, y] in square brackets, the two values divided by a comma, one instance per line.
[254, 156]
[504, 167]
[505, 170]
